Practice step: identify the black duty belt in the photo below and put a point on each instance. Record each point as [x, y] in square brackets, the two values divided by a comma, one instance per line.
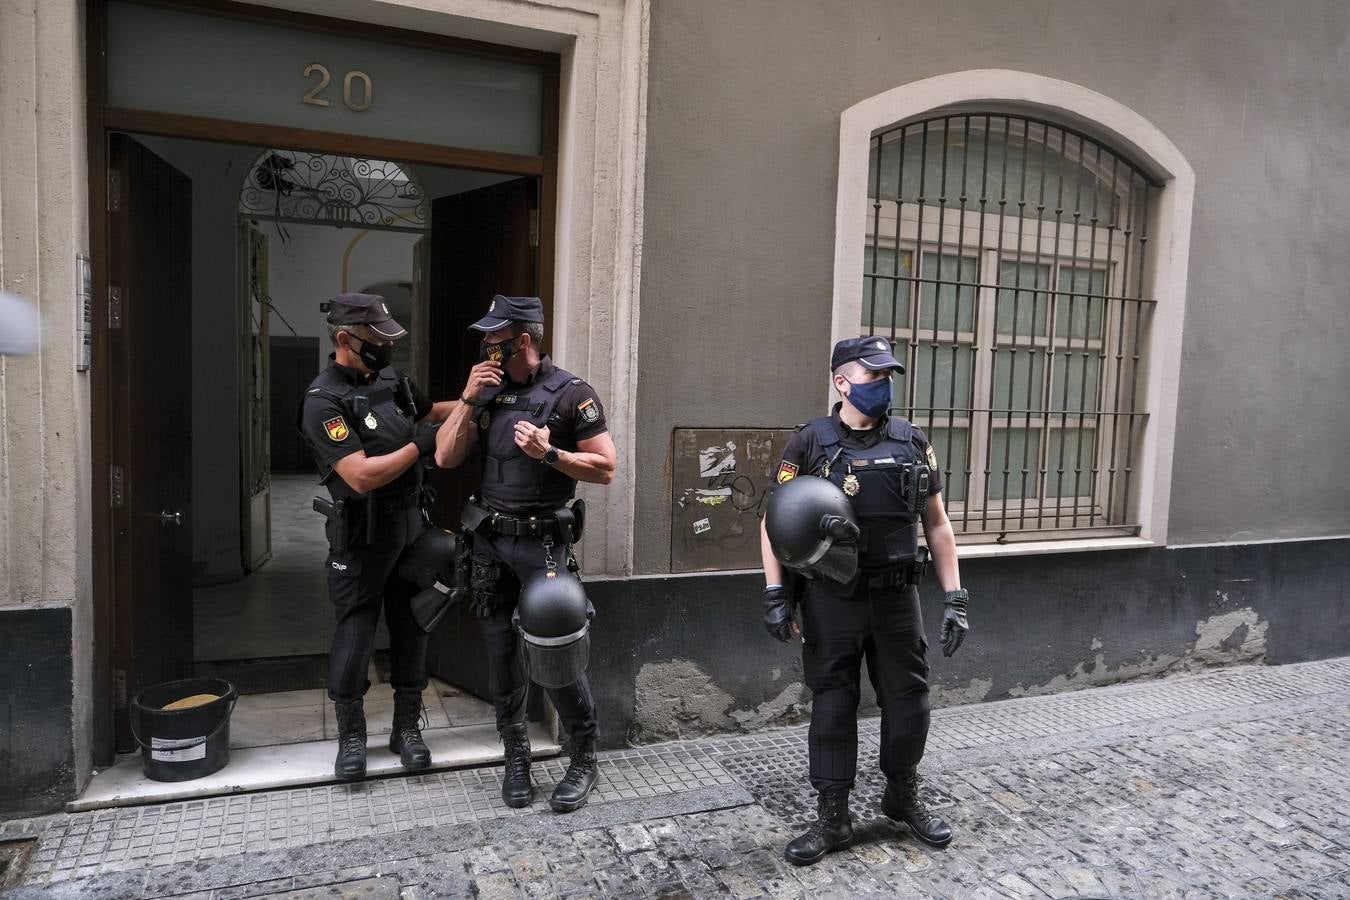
[522, 526]
[896, 579]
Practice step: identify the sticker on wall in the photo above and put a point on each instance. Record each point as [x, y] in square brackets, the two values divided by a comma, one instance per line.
[717, 460]
[702, 525]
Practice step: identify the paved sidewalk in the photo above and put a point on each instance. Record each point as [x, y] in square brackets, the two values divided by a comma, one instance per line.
[1231, 783]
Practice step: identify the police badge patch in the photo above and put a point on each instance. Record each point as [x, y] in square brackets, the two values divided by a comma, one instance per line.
[786, 472]
[589, 412]
[932, 457]
[336, 428]
[484, 419]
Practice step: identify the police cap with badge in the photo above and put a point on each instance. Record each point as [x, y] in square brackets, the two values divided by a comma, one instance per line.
[365, 309]
[505, 310]
[873, 352]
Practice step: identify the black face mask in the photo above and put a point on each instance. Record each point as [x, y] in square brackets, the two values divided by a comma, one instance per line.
[375, 356]
[497, 352]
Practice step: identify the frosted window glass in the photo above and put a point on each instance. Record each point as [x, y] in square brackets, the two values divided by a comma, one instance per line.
[180, 61]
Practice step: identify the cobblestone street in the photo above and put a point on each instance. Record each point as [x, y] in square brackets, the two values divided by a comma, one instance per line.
[1230, 783]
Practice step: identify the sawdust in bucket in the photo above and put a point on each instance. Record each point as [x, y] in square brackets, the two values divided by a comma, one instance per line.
[190, 702]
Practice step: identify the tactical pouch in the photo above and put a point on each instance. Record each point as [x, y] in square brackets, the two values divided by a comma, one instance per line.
[484, 580]
[474, 517]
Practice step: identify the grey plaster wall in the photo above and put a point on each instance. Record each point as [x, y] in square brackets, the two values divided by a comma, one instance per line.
[679, 656]
[741, 167]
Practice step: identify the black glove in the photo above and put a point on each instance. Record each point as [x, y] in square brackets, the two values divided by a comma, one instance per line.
[954, 625]
[425, 439]
[779, 609]
[839, 528]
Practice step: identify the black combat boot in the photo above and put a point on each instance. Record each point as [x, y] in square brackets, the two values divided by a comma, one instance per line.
[517, 788]
[351, 757]
[406, 738]
[582, 774]
[832, 830]
[901, 802]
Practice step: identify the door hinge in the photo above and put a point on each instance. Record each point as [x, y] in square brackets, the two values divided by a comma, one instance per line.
[114, 306]
[114, 191]
[120, 688]
[116, 487]
[534, 228]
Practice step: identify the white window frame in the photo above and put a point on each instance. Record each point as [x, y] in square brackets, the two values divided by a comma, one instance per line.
[1164, 280]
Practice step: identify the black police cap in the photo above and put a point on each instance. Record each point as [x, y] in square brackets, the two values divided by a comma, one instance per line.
[505, 310]
[872, 351]
[364, 309]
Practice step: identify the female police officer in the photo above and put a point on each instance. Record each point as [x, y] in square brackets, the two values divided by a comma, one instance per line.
[890, 474]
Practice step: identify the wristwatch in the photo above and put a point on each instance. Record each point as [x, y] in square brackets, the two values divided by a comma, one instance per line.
[551, 455]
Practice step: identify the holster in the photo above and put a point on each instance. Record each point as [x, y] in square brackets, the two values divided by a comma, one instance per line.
[336, 511]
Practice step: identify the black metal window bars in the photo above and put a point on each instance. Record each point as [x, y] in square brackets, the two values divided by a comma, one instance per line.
[1006, 258]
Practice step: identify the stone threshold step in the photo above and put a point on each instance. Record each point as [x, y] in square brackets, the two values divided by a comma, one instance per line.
[302, 764]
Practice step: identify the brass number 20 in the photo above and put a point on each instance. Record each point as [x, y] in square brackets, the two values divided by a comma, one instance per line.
[325, 77]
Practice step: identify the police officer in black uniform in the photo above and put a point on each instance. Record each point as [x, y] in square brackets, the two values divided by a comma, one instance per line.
[368, 427]
[537, 430]
[890, 473]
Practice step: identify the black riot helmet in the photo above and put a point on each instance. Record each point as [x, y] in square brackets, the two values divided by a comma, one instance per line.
[553, 617]
[812, 528]
[430, 564]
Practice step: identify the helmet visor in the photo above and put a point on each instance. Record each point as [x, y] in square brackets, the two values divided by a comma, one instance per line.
[838, 563]
[557, 665]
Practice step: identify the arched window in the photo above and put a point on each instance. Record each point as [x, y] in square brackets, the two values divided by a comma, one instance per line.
[1005, 256]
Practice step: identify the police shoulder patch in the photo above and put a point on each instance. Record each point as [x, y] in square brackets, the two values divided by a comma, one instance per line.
[484, 419]
[932, 457]
[588, 411]
[336, 428]
[786, 472]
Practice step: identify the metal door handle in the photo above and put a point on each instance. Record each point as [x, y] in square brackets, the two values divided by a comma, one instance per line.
[171, 518]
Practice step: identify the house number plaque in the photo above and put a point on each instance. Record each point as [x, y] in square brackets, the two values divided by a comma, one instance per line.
[350, 91]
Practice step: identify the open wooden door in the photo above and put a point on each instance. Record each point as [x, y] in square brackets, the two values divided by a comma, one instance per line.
[483, 242]
[255, 450]
[150, 329]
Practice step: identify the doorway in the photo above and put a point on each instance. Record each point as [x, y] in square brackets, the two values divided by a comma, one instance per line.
[214, 270]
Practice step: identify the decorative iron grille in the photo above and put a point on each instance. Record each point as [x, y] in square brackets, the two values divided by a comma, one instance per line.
[321, 189]
[1006, 258]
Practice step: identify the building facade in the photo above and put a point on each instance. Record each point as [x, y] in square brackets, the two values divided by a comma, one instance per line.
[1107, 239]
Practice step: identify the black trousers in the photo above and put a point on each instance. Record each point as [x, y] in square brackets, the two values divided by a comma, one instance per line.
[519, 558]
[885, 627]
[361, 578]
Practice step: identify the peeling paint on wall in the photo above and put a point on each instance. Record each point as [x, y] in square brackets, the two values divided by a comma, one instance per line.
[677, 699]
[977, 690]
[1226, 639]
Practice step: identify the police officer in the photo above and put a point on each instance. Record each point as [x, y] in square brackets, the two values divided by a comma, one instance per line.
[537, 430]
[368, 427]
[890, 474]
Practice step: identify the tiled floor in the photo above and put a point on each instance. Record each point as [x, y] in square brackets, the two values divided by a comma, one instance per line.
[283, 608]
[287, 717]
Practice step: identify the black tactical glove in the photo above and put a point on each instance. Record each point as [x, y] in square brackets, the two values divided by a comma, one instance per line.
[954, 625]
[425, 439]
[839, 528]
[779, 609]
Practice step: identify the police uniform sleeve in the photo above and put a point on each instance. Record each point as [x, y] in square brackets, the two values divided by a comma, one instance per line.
[581, 406]
[327, 431]
[421, 402]
[793, 462]
[934, 470]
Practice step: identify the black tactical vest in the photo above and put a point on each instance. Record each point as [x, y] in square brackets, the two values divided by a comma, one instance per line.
[512, 481]
[881, 482]
[374, 414]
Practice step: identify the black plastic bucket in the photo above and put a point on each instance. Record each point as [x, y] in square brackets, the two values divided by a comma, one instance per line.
[182, 744]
